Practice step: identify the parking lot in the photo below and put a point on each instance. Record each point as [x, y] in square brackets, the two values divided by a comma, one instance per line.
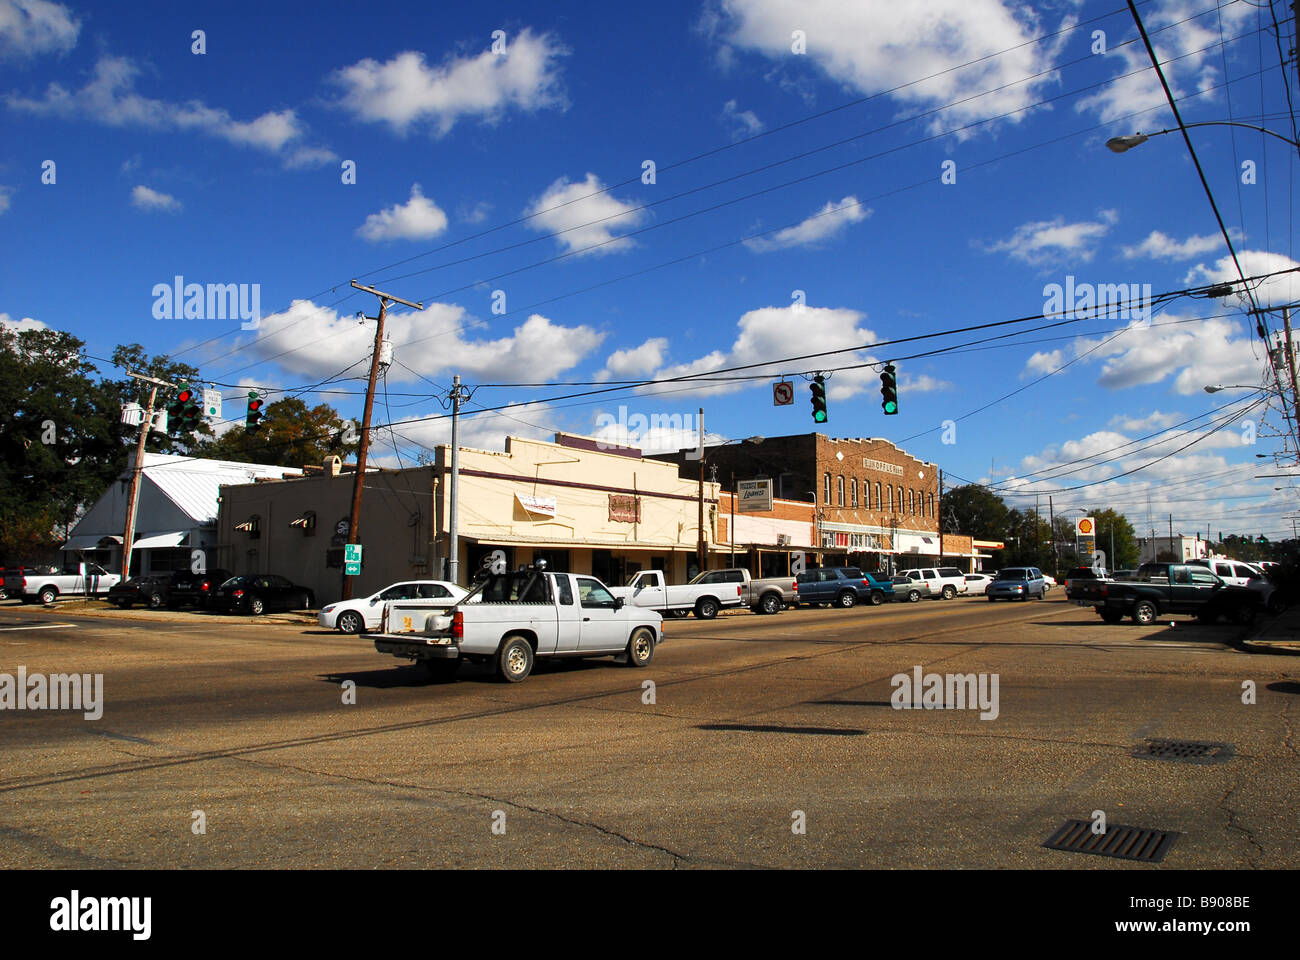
[764, 741]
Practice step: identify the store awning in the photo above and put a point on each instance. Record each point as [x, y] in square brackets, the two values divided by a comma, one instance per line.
[551, 543]
[155, 541]
[88, 541]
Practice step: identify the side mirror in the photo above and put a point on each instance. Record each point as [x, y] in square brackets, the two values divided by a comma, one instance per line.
[373, 601]
[618, 603]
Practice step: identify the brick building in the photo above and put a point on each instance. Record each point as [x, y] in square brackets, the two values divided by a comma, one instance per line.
[876, 506]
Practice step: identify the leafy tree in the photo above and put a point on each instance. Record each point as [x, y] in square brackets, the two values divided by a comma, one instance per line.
[1126, 550]
[178, 439]
[974, 510]
[61, 442]
[290, 435]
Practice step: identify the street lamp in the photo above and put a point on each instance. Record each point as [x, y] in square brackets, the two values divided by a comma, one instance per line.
[1124, 144]
[1216, 387]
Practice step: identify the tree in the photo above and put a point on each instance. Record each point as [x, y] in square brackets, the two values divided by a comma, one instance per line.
[974, 510]
[178, 439]
[61, 444]
[1126, 550]
[290, 435]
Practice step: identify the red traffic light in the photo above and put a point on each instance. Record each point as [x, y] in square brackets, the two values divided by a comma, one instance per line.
[185, 396]
[254, 405]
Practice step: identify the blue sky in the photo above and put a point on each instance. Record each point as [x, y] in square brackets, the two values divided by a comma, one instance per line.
[510, 171]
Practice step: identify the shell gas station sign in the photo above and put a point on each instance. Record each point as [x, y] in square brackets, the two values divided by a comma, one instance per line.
[1085, 534]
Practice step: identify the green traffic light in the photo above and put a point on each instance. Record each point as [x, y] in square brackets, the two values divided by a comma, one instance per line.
[891, 406]
[819, 416]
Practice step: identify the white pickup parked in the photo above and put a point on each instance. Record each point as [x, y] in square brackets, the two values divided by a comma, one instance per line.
[74, 580]
[512, 619]
[705, 595]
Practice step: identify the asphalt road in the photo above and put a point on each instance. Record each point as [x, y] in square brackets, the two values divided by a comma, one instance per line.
[753, 719]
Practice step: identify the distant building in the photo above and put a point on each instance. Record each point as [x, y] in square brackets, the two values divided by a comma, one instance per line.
[176, 513]
[1182, 548]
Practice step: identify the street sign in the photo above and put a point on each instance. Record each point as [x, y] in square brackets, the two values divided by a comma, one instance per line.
[212, 404]
[352, 559]
[782, 394]
[754, 496]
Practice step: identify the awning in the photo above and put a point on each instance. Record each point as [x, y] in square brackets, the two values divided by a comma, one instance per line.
[552, 543]
[88, 541]
[155, 541]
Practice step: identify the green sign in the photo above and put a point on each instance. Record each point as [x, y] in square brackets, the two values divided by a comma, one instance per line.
[352, 559]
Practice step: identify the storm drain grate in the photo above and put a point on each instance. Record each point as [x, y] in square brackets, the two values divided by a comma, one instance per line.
[1184, 751]
[1124, 843]
[776, 728]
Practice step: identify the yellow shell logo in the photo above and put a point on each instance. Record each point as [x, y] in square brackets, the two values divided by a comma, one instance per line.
[1085, 526]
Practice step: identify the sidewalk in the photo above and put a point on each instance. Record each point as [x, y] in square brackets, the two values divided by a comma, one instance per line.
[1280, 634]
[99, 608]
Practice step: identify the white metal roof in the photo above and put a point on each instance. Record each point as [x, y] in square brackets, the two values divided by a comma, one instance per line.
[194, 484]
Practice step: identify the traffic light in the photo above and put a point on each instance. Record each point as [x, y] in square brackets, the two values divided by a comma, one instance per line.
[176, 409]
[251, 424]
[889, 390]
[819, 399]
[191, 407]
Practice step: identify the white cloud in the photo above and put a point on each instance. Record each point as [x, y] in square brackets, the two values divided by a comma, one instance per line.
[110, 98]
[1043, 361]
[635, 362]
[1161, 246]
[475, 214]
[6, 198]
[434, 341]
[32, 27]
[404, 90]
[1044, 242]
[1155, 420]
[417, 219]
[1274, 292]
[484, 430]
[825, 223]
[582, 218]
[309, 158]
[17, 326]
[849, 42]
[740, 123]
[1188, 52]
[922, 383]
[143, 198]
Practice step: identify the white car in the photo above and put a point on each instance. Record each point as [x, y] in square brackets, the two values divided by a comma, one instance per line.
[944, 582]
[976, 583]
[1050, 581]
[366, 613]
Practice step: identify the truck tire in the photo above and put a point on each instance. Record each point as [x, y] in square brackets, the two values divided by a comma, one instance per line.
[1145, 612]
[706, 608]
[515, 659]
[949, 592]
[641, 647]
[441, 671]
[877, 597]
[350, 621]
[770, 603]
[846, 599]
[48, 595]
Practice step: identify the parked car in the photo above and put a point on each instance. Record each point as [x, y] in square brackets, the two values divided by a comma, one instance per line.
[1163, 588]
[78, 579]
[842, 586]
[261, 594]
[196, 589]
[905, 588]
[976, 582]
[945, 582]
[1240, 574]
[1050, 581]
[366, 613]
[1017, 583]
[152, 591]
[11, 581]
[704, 596]
[513, 619]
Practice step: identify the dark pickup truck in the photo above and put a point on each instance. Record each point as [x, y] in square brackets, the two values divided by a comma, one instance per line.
[1163, 588]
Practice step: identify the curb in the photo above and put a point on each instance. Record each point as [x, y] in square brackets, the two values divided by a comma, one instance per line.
[290, 619]
[1255, 642]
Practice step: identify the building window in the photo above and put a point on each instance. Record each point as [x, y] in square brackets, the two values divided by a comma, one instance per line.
[911, 503]
[853, 491]
[878, 500]
[826, 491]
[931, 496]
[839, 490]
[889, 498]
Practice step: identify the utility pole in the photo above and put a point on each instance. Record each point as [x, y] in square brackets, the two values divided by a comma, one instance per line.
[701, 549]
[1290, 362]
[354, 520]
[1051, 526]
[128, 535]
[731, 527]
[458, 395]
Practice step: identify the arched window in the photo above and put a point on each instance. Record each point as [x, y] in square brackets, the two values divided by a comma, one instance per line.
[839, 491]
[931, 496]
[911, 503]
[853, 492]
[879, 502]
[826, 489]
[889, 498]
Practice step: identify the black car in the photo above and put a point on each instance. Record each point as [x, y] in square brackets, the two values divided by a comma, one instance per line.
[196, 589]
[261, 593]
[151, 591]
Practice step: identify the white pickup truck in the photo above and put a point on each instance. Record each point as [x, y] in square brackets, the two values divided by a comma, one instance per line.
[47, 584]
[708, 593]
[512, 619]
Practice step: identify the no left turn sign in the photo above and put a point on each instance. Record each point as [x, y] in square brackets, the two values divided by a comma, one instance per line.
[782, 394]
